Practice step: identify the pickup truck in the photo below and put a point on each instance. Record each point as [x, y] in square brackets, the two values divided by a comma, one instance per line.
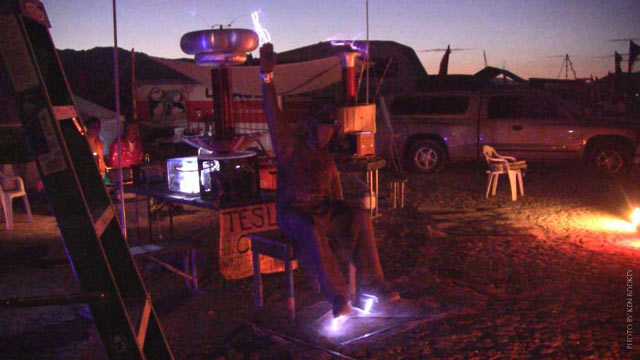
[431, 128]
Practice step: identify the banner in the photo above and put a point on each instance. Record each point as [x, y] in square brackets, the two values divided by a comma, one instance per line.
[444, 63]
[235, 260]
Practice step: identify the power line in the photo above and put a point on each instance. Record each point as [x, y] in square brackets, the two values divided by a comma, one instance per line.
[445, 49]
[621, 40]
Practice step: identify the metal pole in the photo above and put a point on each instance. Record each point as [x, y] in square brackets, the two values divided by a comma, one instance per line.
[367, 57]
[116, 86]
[133, 85]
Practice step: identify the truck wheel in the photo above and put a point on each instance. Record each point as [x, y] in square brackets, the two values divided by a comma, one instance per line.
[427, 156]
[610, 159]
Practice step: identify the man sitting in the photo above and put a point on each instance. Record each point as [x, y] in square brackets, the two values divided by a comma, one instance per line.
[309, 205]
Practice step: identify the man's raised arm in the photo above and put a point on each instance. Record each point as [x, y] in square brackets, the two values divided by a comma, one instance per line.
[279, 131]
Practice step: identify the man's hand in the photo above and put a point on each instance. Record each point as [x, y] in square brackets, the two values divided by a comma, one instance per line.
[267, 58]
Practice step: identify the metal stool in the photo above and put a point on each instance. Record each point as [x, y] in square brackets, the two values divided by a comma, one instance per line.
[396, 186]
[273, 244]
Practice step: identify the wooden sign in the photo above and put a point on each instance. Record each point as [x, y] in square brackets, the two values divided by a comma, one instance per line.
[235, 260]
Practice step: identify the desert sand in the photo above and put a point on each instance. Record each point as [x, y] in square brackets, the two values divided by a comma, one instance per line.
[546, 276]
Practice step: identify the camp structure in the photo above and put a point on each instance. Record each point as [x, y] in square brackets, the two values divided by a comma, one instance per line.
[176, 104]
[109, 126]
[396, 63]
[15, 157]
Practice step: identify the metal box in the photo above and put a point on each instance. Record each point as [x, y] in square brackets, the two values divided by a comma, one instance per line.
[182, 175]
[230, 179]
[268, 176]
[361, 143]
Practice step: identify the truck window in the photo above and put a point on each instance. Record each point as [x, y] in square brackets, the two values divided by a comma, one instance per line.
[446, 105]
[540, 107]
[507, 106]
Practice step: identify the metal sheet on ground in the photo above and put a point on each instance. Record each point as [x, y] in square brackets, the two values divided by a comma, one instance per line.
[313, 326]
[360, 325]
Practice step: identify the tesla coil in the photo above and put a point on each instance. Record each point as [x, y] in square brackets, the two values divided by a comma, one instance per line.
[227, 173]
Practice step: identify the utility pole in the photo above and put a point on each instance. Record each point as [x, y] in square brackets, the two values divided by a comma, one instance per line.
[367, 56]
[567, 64]
[116, 93]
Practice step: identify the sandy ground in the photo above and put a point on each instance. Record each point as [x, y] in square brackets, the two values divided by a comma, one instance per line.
[548, 276]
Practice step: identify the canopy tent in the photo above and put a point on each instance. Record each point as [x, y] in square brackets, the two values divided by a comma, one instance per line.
[107, 118]
[174, 102]
[12, 142]
[291, 79]
[13, 149]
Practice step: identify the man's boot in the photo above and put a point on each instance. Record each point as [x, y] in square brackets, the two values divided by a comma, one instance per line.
[341, 306]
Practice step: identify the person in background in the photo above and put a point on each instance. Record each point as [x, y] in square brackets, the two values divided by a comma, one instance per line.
[95, 143]
[130, 147]
[310, 208]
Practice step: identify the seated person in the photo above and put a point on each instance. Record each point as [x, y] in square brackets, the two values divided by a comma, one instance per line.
[95, 143]
[309, 205]
[130, 147]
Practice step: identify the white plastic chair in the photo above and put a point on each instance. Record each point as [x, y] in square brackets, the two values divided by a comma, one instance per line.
[499, 164]
[12, 187]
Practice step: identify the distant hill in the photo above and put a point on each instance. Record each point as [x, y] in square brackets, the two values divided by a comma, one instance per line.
[90, 74]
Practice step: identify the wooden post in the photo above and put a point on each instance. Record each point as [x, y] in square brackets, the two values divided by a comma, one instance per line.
[257, 279]
[291, 299]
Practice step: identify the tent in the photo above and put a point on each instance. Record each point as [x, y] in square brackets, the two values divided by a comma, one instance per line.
[109, 130]
[173, 102]
[15, 157]
[294, 78]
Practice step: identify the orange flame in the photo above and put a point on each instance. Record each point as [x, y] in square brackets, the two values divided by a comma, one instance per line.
[635, 217]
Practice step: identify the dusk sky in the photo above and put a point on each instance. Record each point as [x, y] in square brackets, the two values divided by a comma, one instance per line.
[530, 37]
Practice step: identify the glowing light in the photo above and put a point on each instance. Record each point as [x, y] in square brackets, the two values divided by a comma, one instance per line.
[635, 217]
[336, 323]
[621, 225]
[211, 165]
[350, 44]
[601, 223]
[634, 244]
[368, 304]
[618, 226]
[182, 174]
[263, 34]
[369, 300]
